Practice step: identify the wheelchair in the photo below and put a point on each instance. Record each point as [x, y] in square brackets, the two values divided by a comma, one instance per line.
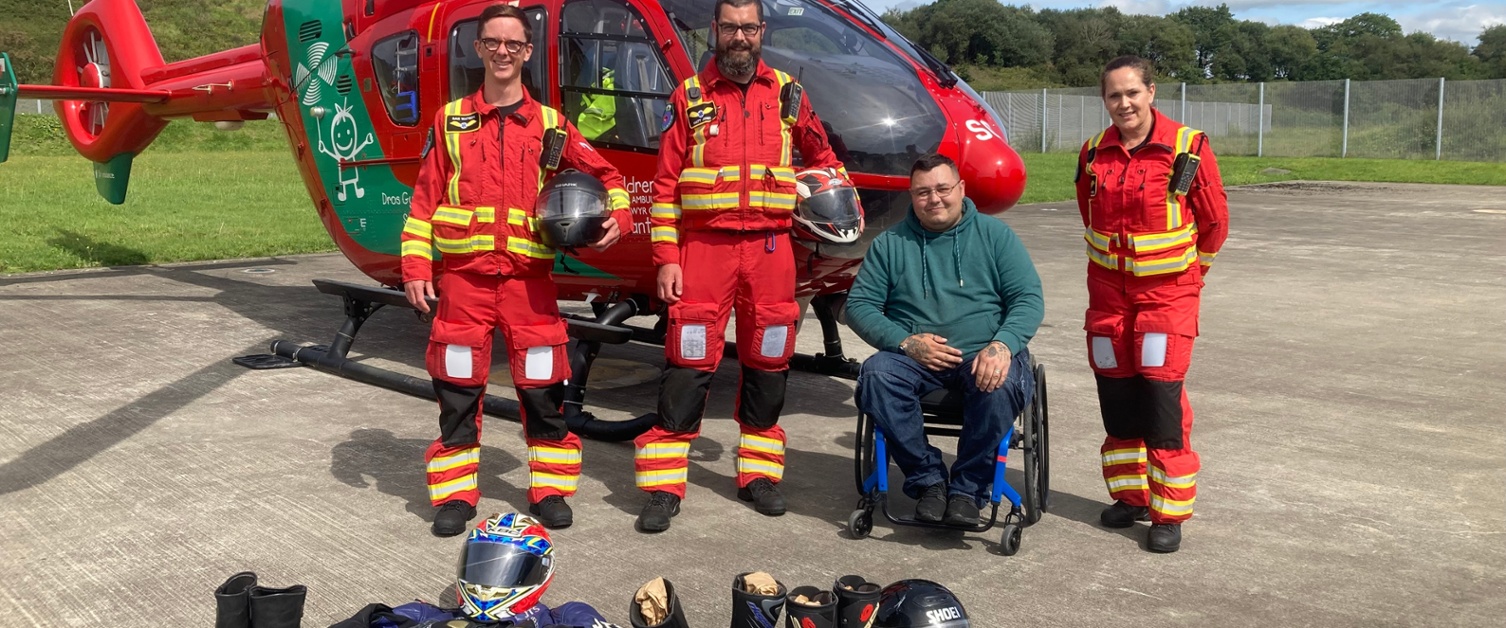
[942, 412]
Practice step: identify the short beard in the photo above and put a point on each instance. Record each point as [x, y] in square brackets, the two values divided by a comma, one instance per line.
[731, 67]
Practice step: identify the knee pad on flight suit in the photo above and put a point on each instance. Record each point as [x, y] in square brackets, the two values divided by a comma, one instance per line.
[682, 397]
[761, 397]
[1121, 400]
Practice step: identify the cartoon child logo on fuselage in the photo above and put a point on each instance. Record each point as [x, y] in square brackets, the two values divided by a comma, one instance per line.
[343, 131]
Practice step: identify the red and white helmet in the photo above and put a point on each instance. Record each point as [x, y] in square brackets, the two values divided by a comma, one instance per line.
[827, 207]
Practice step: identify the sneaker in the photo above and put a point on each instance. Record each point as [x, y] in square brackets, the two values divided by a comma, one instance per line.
[932, 504]
[454, 517]
[1164, 538]
[553, 512]
[1122, 515]
[961, 511]
[656, 513]
[764, 495]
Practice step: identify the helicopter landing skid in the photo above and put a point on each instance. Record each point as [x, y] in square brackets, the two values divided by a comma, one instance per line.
[360, 302]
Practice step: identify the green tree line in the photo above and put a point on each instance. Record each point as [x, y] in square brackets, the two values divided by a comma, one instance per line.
[31, 30]
[999, 46]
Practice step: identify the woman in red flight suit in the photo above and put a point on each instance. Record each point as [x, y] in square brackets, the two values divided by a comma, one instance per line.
[1155, 214]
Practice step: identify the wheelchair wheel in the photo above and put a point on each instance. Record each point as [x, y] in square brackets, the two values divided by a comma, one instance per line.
[1035, 442]
[1009, 541]
[860, 523]
[863, 462]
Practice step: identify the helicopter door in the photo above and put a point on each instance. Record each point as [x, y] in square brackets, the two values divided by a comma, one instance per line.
[614, 83]
[467, 70]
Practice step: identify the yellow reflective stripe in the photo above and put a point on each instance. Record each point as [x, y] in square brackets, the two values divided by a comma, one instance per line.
[554, 455]
[539, 479]
[665, 234]
[1123, 456]
[551, 117]
[1147, 242]
[698, 152]
[749, 465]
[1205, 258]
[618, 198]
[666, 211]
[730, 173]
[486, 215]
[1122, 482]
[457, 216]
[1171, 507]
[452, 146]
[1161, 266]
[418, 249]
[657, 451]
[455, 460]
[724, 200]
[771, 200]
[692, 82]
[529, 248]
[760, 443]
[646, 479]
[1102, 259]
[418, 228]
[699, 175]
[461, 246]
[784, 175]
[1173, 201]
[1172, 481]
[1097, 139]
[1100, 240]
[438, 492]
[517, 217]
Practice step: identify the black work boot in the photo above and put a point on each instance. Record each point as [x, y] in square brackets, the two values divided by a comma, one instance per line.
[553, 512]
[818, 611]
[1122, 515]
[277, 608]
[932, 504]
[857, 601]
[1164, 538]
[962, 511]
[764, 495]
[233, 601]
[661, 506]
[675, 619]
[454, 517]
[751, 610]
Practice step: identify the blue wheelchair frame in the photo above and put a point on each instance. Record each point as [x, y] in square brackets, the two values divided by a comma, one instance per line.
[943, 414]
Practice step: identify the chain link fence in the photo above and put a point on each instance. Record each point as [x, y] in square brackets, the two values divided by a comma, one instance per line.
[1406, 119]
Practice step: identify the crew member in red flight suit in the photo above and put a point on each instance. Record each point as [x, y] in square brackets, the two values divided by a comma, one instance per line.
[482, 170]
[1155, 213]
[723, 198]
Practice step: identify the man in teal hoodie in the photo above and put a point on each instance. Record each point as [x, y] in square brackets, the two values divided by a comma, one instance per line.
[950, 298]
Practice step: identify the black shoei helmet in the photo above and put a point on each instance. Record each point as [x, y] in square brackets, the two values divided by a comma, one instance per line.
[919, 604]
[572, 210]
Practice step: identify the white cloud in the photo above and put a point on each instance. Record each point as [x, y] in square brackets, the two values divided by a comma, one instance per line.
[1139, 7]
[1462, 24]
[1316, 22]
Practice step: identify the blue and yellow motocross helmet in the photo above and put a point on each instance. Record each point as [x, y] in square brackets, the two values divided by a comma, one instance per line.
[505, 566]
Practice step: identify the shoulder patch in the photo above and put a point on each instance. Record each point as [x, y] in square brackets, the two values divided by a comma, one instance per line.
[464, 123]
[668, 120]
[700, 114]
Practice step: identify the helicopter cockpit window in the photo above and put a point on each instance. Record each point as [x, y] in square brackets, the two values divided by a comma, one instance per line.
[878, 114]
[394, 60]
[613, 80]
[467, 70]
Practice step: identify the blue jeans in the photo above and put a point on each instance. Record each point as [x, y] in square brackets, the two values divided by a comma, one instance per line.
[890, 386]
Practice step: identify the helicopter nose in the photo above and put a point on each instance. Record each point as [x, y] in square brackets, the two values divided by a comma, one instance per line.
[994, 173]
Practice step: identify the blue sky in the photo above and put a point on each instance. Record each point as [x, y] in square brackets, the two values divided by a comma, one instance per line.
[1458, 20]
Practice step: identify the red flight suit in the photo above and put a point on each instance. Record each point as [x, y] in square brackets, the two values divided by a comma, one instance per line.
[723, 200]
[1148, 247]
[474, 204]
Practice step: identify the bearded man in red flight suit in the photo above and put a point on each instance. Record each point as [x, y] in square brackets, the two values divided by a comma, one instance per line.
[723, 198]
[474, 203]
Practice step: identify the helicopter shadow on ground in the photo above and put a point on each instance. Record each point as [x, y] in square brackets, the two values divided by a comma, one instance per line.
[96, 252]
[375, 458]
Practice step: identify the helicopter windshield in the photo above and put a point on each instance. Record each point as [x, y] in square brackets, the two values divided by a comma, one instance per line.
[878, 115]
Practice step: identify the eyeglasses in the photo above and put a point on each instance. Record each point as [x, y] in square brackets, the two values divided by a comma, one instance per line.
[491, 45]
[940, 191]
[728, 29]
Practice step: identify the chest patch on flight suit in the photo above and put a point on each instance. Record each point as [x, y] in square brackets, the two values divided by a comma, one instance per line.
[462, 123]
[700, 114]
